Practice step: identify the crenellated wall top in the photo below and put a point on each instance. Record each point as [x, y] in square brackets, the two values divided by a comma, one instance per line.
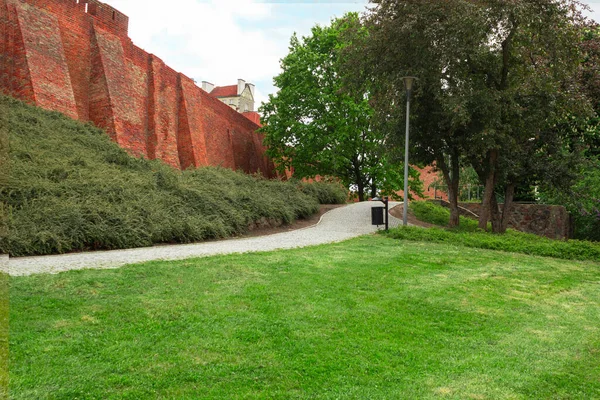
[109, 18]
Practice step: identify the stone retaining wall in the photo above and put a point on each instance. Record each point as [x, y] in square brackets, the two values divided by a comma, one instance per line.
[539, 219]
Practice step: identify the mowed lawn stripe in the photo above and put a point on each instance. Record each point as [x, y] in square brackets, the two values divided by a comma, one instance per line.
[368, 318]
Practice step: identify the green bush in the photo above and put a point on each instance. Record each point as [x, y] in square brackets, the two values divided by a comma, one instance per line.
[511, 241]
[432, 213]
[326, 192]
[582, 201]
[71, 188]
[468, 234]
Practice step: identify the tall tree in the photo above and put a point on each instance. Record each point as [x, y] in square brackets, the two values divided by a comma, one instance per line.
[582, 199]
[530, 65]
[430, 40]
[497, 78]
[314, 128]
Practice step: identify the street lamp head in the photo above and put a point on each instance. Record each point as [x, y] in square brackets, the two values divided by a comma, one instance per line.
[408, 82]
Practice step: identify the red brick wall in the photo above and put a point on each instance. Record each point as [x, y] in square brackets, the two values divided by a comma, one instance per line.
[428, 176]
[16, 78]
[46, 60]
[77, 52]
[58, 56]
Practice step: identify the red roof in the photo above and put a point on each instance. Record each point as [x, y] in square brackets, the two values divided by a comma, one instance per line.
[253, 116]
[224, 91]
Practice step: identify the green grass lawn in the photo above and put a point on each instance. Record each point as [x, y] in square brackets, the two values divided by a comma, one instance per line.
[3, 336]
[370, 318]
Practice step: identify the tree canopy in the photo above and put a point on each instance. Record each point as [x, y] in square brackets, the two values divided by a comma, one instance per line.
[582, 199]
[315, 128]
[497, 88]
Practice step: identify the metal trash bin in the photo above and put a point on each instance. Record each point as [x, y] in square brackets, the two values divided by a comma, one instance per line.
[377, 215]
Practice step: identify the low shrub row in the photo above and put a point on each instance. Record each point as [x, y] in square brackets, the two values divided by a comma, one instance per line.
[468, 234]
[511, 241]
[71, 188]
[325, 192]
[432, 213]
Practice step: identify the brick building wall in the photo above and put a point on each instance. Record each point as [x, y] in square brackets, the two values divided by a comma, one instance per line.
[428, 177]
[75, 57]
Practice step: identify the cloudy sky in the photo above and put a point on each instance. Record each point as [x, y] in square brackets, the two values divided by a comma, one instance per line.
[220, 41]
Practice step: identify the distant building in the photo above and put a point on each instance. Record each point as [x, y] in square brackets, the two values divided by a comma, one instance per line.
[240, 97]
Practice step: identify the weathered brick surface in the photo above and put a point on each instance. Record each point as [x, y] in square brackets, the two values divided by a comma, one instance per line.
[100, 109]
[76, 58]
[429, 176]
[16, 79]
[165, 112]
[46, 60]
[191, 133]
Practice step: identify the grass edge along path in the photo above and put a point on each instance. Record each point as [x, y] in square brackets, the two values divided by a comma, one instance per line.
[371, 317]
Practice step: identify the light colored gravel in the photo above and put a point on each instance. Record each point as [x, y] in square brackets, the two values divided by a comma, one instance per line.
[4, 263]
[336, 225]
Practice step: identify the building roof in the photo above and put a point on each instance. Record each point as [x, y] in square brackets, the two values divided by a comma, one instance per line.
[253, 116]
[225, 91]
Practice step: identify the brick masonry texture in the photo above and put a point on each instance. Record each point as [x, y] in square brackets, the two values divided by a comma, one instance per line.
[428, 176]
[76, 58]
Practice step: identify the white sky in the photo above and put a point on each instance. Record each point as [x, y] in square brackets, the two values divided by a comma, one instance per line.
[220, 41]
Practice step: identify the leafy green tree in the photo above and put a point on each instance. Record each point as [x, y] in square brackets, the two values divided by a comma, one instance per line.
[582, 199]
[496, 87]
[314, 128]
[430, 40]
[530, 74]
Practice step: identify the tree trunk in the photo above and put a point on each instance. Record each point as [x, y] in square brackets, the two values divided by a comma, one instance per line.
[361, 191]
[490, 184]
[454, 212]
[495, 215]
[452, 181]
[509, 195]
[373, 191]
[358, 176]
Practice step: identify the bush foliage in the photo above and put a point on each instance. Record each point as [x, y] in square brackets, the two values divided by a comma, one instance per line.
[470, 236]
[511, 241]
[582, 201]
[326, 192]
[432, 213]
[71, 188]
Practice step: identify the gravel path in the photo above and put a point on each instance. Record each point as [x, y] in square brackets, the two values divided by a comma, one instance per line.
[336, 225]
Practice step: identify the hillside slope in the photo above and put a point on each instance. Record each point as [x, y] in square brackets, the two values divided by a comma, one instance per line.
[71, 188]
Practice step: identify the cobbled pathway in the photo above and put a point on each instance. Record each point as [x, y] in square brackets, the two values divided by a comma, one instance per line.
[336, 225]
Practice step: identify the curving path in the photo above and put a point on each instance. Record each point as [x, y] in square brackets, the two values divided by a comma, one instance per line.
[336, 225]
